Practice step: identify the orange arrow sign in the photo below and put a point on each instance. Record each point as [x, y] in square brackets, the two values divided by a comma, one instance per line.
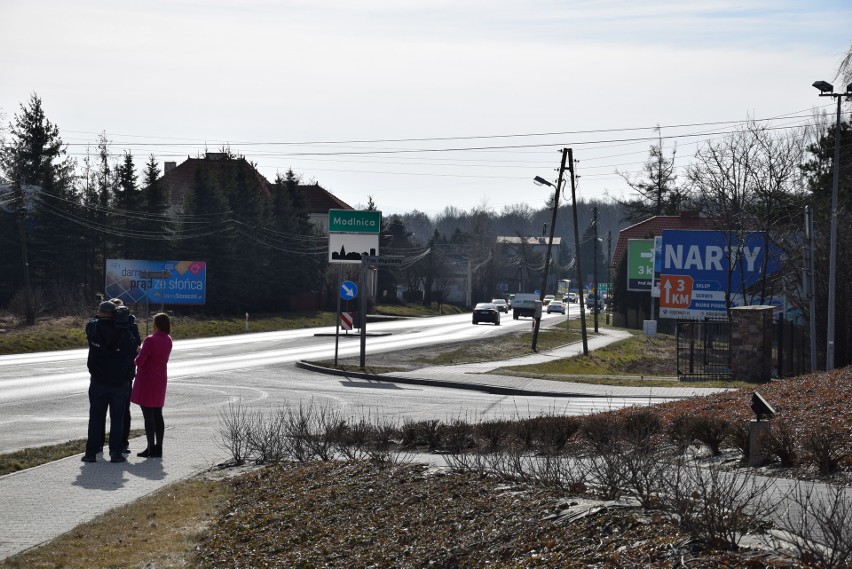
[675, 291]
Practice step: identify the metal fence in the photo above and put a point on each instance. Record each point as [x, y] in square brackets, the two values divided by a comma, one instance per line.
[704, 350]
[792, 353]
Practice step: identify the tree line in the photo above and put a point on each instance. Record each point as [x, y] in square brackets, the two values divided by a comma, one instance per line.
[60, 220]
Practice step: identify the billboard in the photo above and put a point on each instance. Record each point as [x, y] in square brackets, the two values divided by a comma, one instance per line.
[156, 282]
[696, 267]
[640, 264]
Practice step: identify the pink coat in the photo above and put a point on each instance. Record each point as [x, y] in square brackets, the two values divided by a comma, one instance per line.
[149, 388]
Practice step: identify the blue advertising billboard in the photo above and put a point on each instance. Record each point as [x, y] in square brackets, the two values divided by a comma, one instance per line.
[695, 267]
[156, 282]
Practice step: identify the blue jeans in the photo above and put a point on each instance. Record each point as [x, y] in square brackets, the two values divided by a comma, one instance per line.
[101, 397]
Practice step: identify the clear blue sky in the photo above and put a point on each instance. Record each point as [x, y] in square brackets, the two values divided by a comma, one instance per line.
[421, 105]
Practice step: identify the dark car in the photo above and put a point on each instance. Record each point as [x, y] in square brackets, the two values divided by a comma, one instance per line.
[486, 312]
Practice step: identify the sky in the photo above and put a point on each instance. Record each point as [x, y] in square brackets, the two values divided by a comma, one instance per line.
[420, 105]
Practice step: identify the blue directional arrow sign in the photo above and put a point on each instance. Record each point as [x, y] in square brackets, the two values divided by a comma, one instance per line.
[348, 290]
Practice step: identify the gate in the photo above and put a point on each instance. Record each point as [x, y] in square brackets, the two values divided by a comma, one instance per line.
[704, 350]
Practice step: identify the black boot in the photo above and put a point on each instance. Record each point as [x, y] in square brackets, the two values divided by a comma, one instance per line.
[144, 454]
[157, 451]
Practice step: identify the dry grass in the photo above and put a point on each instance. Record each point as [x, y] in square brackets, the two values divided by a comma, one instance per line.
[161, 530]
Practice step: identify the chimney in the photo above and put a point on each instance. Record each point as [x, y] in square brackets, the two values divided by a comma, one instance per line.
[168, 167]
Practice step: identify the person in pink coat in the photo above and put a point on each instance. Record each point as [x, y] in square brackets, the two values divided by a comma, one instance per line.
[149, 389]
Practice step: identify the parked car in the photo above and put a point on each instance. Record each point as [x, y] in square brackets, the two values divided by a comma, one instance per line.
[486, 312]
[556, 306]
[501, 305]
[548, 299]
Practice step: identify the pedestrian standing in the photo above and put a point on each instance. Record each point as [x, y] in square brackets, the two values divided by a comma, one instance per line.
[111, 349]
[123, 317]
[149, 389]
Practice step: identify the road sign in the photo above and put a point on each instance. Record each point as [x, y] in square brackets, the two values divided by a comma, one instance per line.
[354, 221]
[386, 260]
[350, 247]
[346, 320]
[640, 264]
[348, 290]
[675, 291]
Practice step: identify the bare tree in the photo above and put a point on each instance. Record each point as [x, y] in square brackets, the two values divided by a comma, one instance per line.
[749, 181]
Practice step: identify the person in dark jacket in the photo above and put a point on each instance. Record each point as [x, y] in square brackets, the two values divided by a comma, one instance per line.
[137, 341]
[111, 350]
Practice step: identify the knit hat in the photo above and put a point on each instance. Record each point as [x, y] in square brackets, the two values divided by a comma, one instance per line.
[106, 307]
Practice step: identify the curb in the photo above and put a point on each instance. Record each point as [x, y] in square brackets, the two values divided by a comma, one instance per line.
[491, 389]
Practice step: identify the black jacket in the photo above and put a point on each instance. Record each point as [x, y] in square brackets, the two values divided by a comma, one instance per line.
[111, 351]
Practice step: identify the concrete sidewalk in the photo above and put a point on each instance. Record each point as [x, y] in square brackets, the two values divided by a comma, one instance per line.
[42, 503]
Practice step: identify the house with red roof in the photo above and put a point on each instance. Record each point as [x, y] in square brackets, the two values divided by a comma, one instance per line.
[178, 180]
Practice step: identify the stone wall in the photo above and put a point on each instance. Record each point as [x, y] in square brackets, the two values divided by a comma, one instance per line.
[751, 343]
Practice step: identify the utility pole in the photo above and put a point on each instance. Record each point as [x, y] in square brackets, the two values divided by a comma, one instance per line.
[609, 275]
[25, 263]
[598, 303]
[566, 152]
[577, 253]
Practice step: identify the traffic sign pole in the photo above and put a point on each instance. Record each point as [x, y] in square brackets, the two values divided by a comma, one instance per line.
[337, 323]
[363, 313]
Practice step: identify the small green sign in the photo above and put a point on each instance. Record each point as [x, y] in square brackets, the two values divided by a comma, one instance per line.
[640, 264]
[354, 221]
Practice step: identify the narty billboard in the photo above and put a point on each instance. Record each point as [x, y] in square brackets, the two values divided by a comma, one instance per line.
[698, 267]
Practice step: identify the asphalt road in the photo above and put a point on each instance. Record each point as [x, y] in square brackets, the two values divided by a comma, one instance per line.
[43, 397]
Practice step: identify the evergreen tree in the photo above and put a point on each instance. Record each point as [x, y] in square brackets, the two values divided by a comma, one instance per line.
[155, 199]
[656, 189]
[35, 157]
[208, 236]
[819, 172]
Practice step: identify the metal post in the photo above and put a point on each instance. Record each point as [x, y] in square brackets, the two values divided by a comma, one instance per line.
[810, 283]
[337, 324]
[577, 253]
[363, 313]
[598, 302]
[537, 323]
[832, 271]
[609, 275]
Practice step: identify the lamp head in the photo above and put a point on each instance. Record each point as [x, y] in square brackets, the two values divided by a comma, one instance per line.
[761, 406]
[539, 181]
[824, 86]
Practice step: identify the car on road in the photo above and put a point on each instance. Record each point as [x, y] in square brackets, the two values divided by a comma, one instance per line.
[501, 304]
[570, 297]
[556, 306]
[548, 299]
[486, 312]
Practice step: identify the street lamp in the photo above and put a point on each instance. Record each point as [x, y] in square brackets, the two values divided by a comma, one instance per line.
[827, 90]
[542, 182]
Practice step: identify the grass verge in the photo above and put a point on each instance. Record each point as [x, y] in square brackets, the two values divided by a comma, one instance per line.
[160, 530]
[32, 457]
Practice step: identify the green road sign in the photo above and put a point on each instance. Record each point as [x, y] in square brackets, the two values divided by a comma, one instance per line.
[640, 264]
[353, 221]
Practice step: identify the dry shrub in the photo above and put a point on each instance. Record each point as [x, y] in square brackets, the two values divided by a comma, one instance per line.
[710, 430]
[716, 506]
[781, 442]
[822, 524]
[825, 449]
